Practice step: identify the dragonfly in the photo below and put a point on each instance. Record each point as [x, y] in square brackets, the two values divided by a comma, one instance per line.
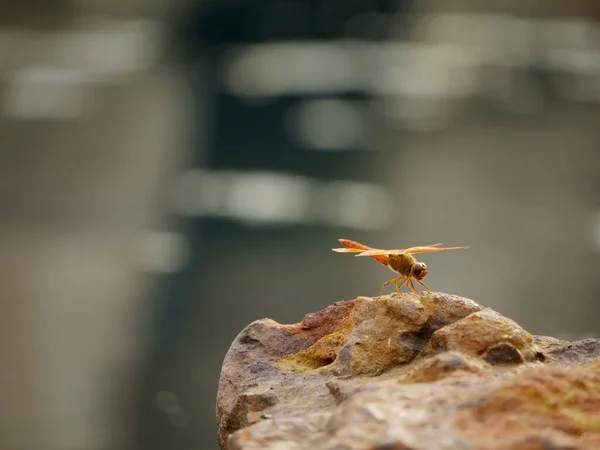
[400, 261]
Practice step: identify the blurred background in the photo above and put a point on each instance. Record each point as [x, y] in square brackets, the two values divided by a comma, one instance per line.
[172, 171]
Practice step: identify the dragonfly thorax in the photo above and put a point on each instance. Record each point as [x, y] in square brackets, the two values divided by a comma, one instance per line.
[402, 263]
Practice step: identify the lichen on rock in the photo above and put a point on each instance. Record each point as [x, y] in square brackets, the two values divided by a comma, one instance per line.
[414, 371]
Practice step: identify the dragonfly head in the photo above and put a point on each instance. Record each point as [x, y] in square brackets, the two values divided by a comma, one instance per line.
[419, 270]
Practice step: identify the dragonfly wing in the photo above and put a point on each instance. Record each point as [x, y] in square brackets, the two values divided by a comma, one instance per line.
[357, 247]
[379, 252]
[347, 250]
[354, 244]
[352, 247]
[422, 249]
[431, 248]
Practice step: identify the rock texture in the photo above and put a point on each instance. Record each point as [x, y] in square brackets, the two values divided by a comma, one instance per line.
[407, 372]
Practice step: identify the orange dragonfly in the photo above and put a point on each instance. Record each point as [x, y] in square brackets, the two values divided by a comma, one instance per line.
[401, 261]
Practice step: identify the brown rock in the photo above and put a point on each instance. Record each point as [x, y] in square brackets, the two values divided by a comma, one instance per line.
[486, 333]
[407, 371]
[446, 365]
[562, 401]
[376, 334]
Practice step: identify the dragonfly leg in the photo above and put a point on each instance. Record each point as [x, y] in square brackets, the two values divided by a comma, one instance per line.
[399, 286]
[423, 284]
[410, 285]
[394, 280]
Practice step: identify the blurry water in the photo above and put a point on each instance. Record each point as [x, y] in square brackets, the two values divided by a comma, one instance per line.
[150, 210]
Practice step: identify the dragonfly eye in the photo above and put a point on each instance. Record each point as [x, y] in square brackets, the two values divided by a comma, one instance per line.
[419, 270]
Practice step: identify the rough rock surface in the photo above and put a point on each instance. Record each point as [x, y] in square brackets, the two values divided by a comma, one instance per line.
[407, 372]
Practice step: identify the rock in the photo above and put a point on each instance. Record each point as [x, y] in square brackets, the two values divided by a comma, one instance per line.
[564, 402]
[376, 334]
[407, 371]
[486, 333]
